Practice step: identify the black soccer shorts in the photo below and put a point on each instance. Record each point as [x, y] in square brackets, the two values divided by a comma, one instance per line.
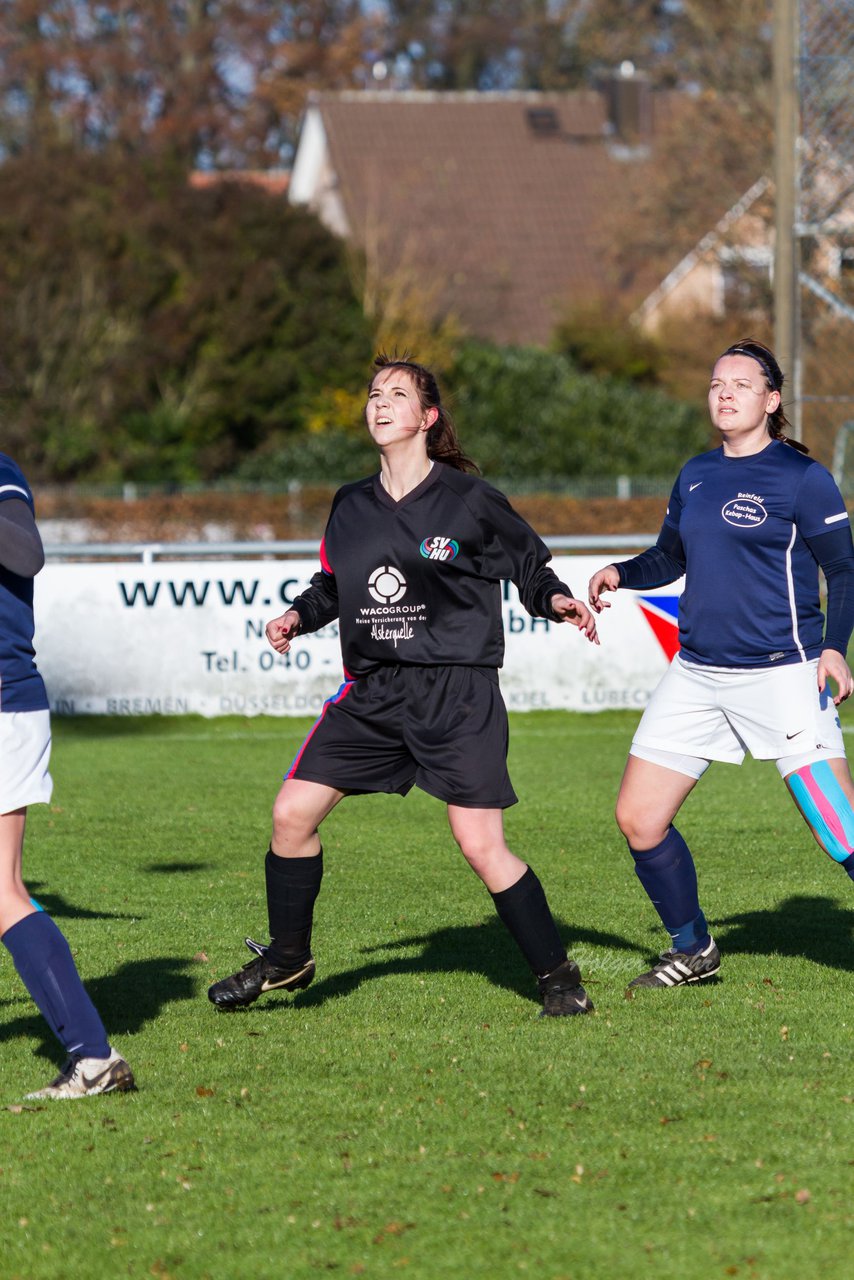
[443, 729]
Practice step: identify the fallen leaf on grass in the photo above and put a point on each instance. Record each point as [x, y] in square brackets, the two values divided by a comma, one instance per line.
[203, 1091]
[393, 1229]
[201, 957]
[803, 1196]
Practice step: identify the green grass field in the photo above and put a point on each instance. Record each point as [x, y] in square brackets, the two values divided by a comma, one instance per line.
[409, 1114]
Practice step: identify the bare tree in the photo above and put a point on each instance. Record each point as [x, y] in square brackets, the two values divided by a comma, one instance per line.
[221, 82]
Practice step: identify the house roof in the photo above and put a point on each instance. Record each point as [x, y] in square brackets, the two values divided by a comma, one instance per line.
[274, 181]
[494, 202]
[710, 242]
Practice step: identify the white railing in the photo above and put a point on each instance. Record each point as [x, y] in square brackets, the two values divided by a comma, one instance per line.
[148, 552]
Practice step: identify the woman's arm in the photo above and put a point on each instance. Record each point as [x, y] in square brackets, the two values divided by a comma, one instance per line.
[21, 548]
[655, 567]
[834, 552]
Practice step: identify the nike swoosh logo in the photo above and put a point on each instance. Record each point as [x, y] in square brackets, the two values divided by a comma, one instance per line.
[793, 735]
[287, 981]
[89, 1082]
[692, 487]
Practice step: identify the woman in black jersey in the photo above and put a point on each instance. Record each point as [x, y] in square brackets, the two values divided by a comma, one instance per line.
[749, 524]
[412, 564]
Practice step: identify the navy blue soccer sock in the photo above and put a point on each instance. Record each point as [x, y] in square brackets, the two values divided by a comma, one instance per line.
[848, 864]
[668, 875]
[46, 967]
[524, 911]
[292, 888]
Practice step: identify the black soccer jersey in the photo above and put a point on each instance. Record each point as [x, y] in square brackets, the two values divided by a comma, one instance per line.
[419, 581]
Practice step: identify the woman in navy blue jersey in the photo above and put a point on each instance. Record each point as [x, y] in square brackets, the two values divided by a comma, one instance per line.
[39, 951]
[749, 524]
[412, 564]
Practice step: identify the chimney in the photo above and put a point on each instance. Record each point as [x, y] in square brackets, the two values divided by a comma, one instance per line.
[628, 95]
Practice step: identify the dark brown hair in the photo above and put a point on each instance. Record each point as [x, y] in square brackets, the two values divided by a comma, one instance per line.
[442, 442]
[773, 374]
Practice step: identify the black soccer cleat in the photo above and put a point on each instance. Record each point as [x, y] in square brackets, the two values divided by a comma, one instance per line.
[257, 976]
[562, 993]
[675, 969]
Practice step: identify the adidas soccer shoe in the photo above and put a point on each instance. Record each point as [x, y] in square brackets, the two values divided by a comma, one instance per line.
[562, 992]
[256, 977]
[83, 1077]
[675, 969]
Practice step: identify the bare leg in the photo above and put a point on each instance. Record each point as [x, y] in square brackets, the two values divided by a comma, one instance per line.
[650, 798]
[298, 811]
[45, 964]
[14, 899]
[522, 907]
[480, 835]
[293, 871]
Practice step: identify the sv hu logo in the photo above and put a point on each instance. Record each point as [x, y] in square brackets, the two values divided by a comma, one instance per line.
[439, 548]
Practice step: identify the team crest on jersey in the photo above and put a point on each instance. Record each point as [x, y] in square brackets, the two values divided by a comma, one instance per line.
[745, 511]
[439, 548]
[387, 584]
[662, 614]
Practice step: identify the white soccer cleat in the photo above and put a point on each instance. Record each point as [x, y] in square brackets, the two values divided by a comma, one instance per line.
[83, 1077]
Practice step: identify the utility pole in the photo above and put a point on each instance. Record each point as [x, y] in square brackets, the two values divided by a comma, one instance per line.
[786, 242]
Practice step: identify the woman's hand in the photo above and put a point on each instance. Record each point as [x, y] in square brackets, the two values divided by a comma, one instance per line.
[575, 612]
[832, 665]
[281, 631]
[607, 579]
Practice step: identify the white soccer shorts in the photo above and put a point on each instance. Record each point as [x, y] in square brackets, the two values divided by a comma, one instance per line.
[24, 759]
[720, 713]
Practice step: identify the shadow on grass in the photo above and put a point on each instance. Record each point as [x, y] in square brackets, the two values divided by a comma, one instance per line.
[126, 1000]
[485, 948]
[816, 928]
[55, 905]
[126, 726]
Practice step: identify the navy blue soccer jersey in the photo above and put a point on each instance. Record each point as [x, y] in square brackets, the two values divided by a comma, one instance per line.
[419, 581]
[21, 685]
[751, 594]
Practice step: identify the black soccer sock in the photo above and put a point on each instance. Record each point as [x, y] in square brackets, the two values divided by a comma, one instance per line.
[524, 911]
[292, 888]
